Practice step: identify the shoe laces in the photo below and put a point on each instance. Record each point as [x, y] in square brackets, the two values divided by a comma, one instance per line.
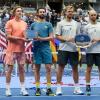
[8, 92]
[78, 90]
[38, 90]
[88, 88]
[49, 91]
[24, 92]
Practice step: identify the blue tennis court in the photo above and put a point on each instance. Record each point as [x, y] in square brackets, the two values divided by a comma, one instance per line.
[67, 87]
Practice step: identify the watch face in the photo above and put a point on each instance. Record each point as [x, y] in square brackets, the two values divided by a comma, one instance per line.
[31, 34]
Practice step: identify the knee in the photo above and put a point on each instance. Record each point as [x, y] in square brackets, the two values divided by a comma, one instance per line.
[75, 68]
[8, 69]
[21, 69]
[48, 69]
[89, 69]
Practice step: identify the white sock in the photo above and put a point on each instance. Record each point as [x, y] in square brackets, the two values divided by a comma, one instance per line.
[76, 85]
[8, 86]
[22, 85]
[58, 85]
[88, 83]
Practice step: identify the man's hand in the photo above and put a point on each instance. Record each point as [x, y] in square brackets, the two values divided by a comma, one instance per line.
[70, 40]
[38, 38]
[95, 41]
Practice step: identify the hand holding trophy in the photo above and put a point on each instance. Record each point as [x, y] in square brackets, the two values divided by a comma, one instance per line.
[32, 35]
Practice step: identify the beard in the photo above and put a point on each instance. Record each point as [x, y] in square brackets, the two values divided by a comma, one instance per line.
[41, 16]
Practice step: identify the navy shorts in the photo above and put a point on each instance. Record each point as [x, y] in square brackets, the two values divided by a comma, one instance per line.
[65, 57]
[93, 58]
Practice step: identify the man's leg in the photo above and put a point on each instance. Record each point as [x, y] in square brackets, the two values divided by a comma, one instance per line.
[48, 77]
[88, 78]
[22, 79]
[73, 58]
[62, 61]
[8, 79]
[75, 74]
[37, 79]
[77, 89]
[90, 60]
[88, 74]
[60, 71]
[99, 71]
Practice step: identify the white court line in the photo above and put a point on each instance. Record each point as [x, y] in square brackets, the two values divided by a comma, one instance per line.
[50, 96]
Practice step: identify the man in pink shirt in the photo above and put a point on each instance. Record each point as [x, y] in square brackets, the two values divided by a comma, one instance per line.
[15, 29]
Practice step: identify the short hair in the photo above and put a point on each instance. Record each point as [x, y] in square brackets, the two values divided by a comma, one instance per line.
[69, 7]
[92, 11]
[15, 8]
[40, 8]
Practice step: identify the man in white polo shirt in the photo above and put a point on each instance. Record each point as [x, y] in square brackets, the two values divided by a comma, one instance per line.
[66, 31]
[93, 52]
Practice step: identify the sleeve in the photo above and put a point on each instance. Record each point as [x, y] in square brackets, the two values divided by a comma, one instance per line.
[50, 28]
[78, 30]
[32, 26]
[85, 30]
[58, 29]
[25, 31]
[8, 28]
[26, 26]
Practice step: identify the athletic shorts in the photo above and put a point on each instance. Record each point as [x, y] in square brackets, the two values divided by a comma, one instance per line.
[65, 57]
[93, 58]
[11, 57]
[42, 56]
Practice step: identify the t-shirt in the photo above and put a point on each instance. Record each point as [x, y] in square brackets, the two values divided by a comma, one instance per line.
[43, 29]
[93, 30]
[67, 29]
[17, 29]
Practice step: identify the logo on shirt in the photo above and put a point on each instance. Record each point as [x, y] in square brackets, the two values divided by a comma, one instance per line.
[46, 26]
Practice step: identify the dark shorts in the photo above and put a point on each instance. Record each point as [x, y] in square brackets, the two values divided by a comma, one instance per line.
[65, 57]
[93, 58]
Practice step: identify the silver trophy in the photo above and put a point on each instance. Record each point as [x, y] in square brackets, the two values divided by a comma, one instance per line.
[31, 34]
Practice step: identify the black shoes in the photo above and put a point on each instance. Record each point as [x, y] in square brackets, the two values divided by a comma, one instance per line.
[38, 92]
[88, 90]
[49, 92]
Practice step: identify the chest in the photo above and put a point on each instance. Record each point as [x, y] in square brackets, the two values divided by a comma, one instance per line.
[18, 26]
[41, 27]
[69, 28]
[93, 29]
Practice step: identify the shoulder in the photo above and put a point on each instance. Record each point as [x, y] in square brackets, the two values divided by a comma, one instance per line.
[10, 21]
[61, 23]
[33, 23]
[98, 23]
[88, 26]
[47, 23]
[74, 21]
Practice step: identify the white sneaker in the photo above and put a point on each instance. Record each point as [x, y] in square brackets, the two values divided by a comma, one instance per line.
[8, 92]
[58, 91]
[24, 92]
[78, 91]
